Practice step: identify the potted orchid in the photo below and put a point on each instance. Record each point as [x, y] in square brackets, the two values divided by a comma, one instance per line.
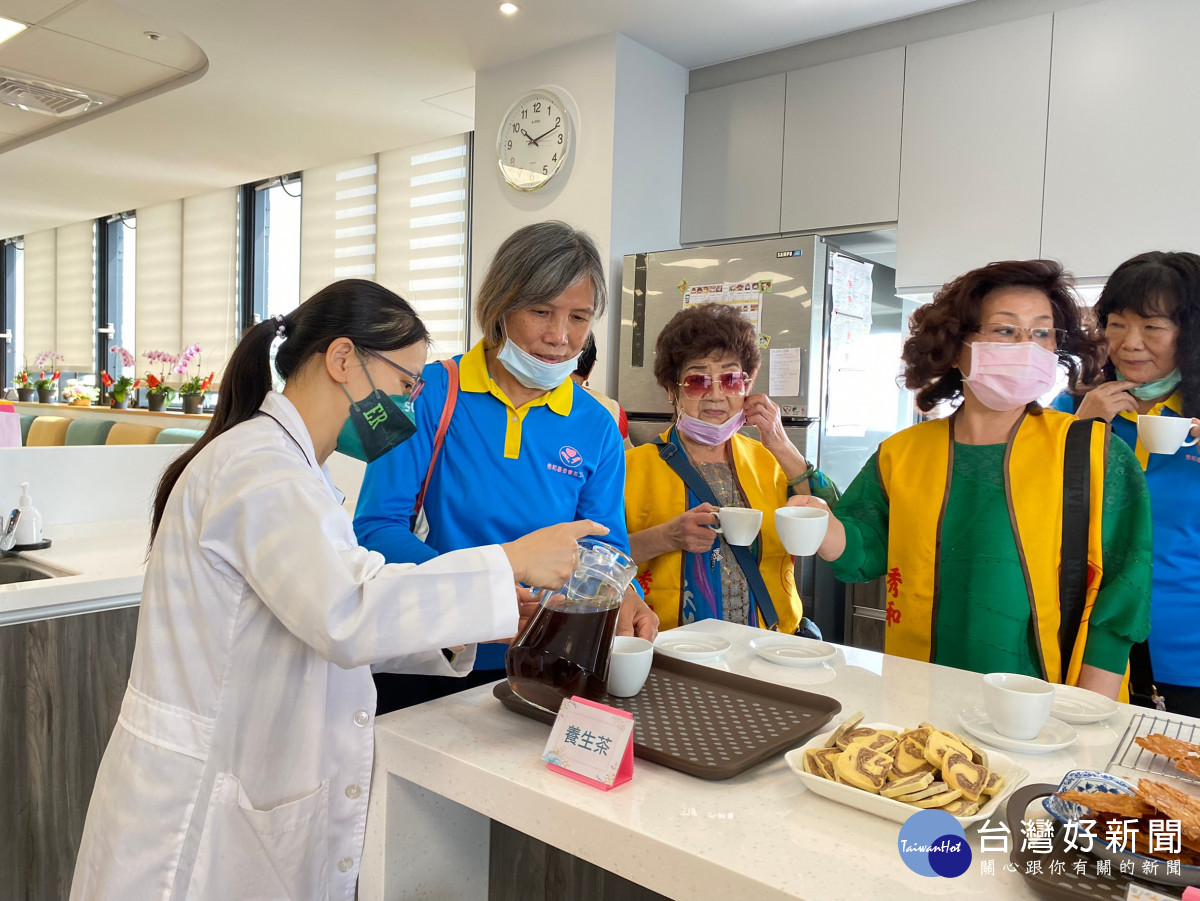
[24, 385]
[159, 393]
[191, 392]
[46, 384]
[120, 386]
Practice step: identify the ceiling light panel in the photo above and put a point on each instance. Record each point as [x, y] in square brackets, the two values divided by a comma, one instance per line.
[9, 28]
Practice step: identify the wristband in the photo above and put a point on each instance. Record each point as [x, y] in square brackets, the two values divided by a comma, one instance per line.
[803, 477]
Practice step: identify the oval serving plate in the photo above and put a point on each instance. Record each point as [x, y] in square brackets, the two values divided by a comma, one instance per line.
[1068, 812]
[694, 646]
[792, 650]
[898, 811]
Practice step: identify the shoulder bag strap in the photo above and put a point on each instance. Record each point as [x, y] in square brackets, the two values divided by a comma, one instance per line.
[1073, 571]
[443, 425]
[670, 455]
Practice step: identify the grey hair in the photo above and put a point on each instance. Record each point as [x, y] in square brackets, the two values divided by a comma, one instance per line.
[534, 265]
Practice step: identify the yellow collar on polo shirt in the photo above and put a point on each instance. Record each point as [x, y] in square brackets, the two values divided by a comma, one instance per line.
[473, 376]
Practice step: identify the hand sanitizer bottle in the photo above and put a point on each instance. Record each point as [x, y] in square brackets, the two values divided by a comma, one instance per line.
[29, 529]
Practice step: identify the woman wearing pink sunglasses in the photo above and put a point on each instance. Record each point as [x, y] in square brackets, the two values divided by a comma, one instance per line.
[706, 359]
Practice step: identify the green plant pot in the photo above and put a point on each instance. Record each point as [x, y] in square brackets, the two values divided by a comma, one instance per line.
[26, 395]
[192, 403]
[45, 395]
[156, 402]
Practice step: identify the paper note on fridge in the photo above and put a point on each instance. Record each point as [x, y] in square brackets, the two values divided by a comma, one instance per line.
[785, 371]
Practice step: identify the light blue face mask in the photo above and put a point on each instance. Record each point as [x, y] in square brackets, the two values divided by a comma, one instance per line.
[532, 372]
[1158, 388]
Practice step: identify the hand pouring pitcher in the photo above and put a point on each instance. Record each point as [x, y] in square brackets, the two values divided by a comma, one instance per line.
[565, 648]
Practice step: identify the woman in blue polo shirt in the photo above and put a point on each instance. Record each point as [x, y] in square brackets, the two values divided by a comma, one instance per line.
[1150, 312]
[524, 444]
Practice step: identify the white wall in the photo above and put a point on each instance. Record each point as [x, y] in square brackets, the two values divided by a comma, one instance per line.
[622, 182]
[90, 483]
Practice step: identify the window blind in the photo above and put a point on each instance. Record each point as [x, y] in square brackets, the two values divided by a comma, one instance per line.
[337, 224]
[60, 295]
[422, 241]
[38, 319]
[75, 295]
[186, 277]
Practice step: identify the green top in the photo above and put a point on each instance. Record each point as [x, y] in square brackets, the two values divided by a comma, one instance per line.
[983, 615]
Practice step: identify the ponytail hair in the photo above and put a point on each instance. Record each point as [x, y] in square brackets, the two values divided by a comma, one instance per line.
[371, 316]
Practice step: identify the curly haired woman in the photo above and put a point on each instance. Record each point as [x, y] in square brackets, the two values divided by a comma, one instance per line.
[1150, 312]
[965, 515]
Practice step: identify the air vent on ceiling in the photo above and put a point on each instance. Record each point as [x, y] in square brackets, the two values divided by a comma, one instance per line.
[38, 96]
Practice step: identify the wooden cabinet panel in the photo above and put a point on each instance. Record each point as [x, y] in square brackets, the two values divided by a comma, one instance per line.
[1124, 138]
[972, 162]
[841, 143]
[732, 161]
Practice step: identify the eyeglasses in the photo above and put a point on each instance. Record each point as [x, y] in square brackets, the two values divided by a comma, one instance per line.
[418, 382]
[699, 384]
[1004, 333]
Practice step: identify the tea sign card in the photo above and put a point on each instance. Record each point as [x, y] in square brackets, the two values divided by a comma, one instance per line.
[592, 743]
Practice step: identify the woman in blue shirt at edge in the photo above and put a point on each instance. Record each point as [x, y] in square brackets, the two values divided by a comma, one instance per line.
[525, 444]
[1150, 312]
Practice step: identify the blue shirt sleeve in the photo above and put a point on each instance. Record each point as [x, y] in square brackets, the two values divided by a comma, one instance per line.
[391, 484]
[1065, 402]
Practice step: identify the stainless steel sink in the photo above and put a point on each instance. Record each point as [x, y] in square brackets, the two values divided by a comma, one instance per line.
[18, 569]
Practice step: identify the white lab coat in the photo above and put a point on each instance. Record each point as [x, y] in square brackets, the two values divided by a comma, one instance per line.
[240, 765]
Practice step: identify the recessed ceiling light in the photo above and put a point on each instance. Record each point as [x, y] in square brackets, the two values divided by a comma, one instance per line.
[509, 9]
[8, 28]
[152, 35]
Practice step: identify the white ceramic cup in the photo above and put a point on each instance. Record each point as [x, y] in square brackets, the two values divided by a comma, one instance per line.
[1164, 434]
[1017, 705]
[739, 525]
[629, 665]
[801, 529]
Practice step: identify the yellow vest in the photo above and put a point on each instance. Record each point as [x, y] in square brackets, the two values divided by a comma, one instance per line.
[915, 468]
[655, 495]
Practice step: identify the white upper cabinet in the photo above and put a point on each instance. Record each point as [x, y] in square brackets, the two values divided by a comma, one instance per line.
[841, 143]
[1123, 151]
[733, 161]
[973, 155]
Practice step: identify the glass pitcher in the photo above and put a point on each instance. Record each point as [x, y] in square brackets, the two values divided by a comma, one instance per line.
[565, 648]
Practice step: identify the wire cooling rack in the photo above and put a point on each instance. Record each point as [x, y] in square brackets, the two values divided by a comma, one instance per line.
[1133, 757]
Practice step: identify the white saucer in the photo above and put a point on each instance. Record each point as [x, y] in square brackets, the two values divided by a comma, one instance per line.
[1054, 735]
[1080, 706]
[693, 646]
[792, 650]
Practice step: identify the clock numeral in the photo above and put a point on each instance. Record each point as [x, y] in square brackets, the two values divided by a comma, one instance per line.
[560, 138]
[516, 128]
[554, 159]
[525, 114]
[512, 160]
[537, 107]
[557, 121]
[545, 170]
[509, 146]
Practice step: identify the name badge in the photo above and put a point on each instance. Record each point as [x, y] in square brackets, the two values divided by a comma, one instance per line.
[591, 743]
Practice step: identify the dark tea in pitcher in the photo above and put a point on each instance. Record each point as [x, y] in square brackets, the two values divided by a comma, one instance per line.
[563, 652]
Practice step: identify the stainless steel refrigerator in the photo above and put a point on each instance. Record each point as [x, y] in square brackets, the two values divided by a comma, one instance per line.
[830, 331]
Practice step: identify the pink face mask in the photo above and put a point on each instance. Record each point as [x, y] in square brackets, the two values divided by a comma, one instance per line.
[1007, 376]
[706, 433]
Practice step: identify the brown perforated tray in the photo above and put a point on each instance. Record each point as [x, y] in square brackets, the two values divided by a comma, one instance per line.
[707, 722]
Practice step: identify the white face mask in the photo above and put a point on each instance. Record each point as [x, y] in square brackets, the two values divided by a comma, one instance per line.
[533, 372]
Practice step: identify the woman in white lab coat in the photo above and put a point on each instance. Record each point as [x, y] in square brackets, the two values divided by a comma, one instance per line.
[241, 762]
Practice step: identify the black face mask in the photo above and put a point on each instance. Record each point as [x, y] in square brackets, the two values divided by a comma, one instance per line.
[377, 423]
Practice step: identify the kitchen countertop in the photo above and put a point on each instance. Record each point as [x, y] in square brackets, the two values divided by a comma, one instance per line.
[443, 768]
[106, 562]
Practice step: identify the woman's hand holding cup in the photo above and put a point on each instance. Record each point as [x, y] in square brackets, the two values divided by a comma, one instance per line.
[834, 542]
[693, 531]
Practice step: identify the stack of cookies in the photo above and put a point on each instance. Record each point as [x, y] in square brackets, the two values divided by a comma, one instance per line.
[925, 767]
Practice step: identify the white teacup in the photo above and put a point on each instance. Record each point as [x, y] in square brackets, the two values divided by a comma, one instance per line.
[629, 665]
[801, 529]
[1017, 705]
[1164, 434]
[739, 525]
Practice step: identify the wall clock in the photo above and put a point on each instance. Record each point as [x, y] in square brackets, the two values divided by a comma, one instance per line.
[535, 137]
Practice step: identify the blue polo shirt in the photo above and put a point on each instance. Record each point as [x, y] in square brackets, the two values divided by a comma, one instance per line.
[1174, 483]
[503, 472]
